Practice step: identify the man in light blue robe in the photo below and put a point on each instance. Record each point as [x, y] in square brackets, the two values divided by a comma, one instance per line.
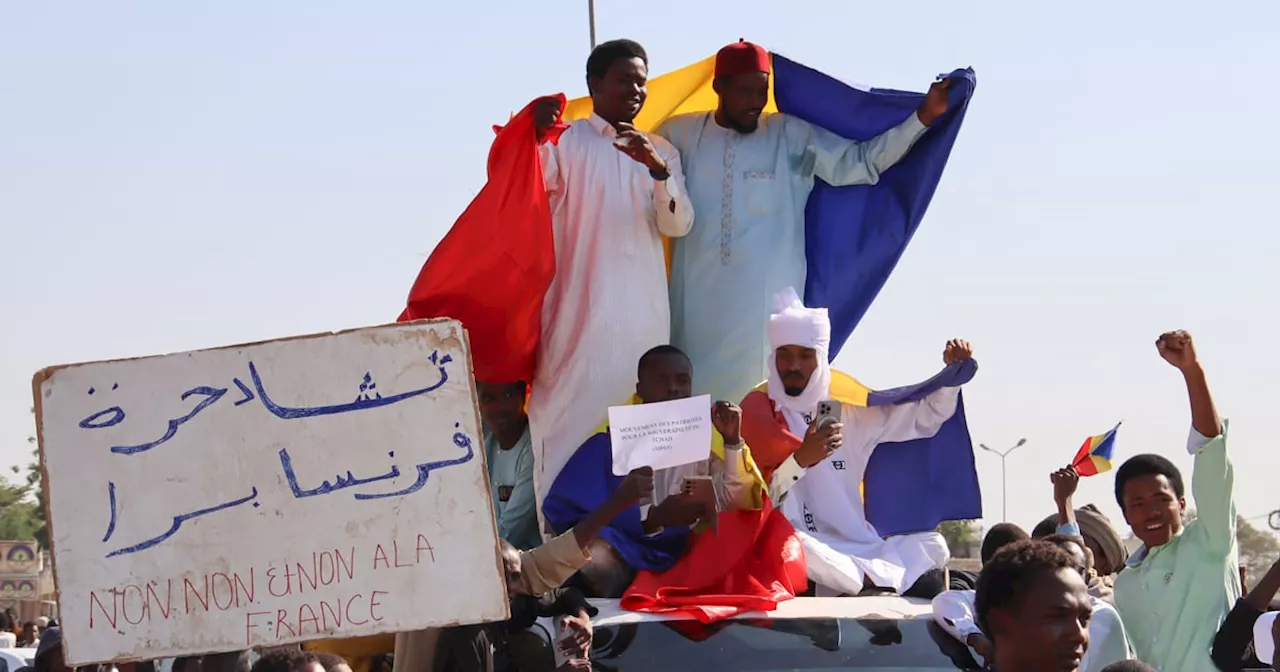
[749, 175]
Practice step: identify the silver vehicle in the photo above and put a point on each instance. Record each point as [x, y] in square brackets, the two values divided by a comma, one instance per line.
[807, 633]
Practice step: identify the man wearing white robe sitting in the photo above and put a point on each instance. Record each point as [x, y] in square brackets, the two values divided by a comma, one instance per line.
[845, 554]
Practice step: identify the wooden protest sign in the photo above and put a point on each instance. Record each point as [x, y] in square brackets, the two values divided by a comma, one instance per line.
[256, 495]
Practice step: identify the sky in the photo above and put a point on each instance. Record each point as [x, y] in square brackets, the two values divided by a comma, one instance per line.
[176, 176]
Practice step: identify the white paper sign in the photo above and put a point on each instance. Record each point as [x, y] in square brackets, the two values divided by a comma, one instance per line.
[327, 485]
[661, 435]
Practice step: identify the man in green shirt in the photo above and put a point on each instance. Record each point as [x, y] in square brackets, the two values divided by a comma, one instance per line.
[1176, 590]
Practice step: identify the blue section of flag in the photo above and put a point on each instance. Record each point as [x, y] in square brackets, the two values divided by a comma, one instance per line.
[855, 235]
[585, 483]
[914, 485]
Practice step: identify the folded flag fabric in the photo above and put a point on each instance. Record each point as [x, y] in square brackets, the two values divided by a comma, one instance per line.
[1094, 456]
[753, 561]
[493, 267]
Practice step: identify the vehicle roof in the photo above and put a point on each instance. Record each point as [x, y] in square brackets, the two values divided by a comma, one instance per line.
[878, 607]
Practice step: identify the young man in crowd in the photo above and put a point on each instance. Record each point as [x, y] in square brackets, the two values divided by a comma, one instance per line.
[954, 610]
[1178, 587]
[1100, 537]
[1034, 607]
[508, 453]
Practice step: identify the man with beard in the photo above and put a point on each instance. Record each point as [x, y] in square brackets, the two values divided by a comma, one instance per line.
[1180, 585]
[844, 552]
[614, 194]
[749, 176]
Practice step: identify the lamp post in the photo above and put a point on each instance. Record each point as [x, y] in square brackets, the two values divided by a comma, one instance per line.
[591, 21]
[1004, 481]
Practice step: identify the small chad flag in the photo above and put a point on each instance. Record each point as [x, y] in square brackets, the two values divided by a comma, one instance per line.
[1094, 456]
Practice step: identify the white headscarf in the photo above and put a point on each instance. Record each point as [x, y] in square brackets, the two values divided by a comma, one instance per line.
[793, 324]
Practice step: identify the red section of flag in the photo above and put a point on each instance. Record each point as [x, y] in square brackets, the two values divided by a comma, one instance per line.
[751, 562]
[492, 270]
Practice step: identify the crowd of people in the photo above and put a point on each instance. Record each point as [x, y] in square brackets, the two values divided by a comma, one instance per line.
[785, 482]
[729, 189]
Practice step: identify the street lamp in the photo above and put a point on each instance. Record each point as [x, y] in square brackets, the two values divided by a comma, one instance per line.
[591, 21]
[1004, 481]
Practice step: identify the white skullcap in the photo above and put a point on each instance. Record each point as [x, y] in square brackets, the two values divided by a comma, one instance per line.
[1264, 647]
[794, 324]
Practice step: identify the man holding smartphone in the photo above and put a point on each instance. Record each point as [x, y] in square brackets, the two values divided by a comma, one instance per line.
[845, 553]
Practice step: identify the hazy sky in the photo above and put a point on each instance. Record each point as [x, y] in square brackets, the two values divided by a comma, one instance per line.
[181, 175]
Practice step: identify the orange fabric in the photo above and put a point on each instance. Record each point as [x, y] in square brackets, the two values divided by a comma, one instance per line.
[765, 430]
[492, 269]
[752, 561]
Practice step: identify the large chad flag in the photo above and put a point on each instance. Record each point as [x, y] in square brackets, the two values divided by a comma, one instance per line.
[495, 264]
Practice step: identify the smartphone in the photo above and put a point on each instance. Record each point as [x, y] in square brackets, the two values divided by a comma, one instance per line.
[828, 412]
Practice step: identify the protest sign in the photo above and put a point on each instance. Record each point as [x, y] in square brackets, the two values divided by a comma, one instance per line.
[257, 495]
[660, 435]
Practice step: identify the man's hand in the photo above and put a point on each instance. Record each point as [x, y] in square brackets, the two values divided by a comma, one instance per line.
[636, 145]
[1178, 349]
[575, 665]
[957, 350]
[679, 510]
[546, 112]
[727, 419]
[1065, 482]
[638, 485]
[577, 635]
[819, 443]
[935, 102]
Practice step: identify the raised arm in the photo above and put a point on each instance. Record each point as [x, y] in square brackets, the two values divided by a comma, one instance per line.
[1065, 481]
[911, 420]
[1213, 478]
[840, 161]
[737, 482]
[546, 124]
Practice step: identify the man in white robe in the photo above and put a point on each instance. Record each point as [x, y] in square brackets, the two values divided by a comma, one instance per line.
[749, 176]
[614, 194]
[845, 554]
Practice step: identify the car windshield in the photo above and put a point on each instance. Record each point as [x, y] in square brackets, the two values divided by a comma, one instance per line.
[769, 645]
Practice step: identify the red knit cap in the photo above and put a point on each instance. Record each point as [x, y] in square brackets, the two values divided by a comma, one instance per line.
[741, 58]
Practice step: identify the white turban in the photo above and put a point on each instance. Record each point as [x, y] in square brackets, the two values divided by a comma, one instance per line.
[794, 324]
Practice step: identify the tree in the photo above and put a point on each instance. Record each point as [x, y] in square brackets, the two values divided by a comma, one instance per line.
[21, 505]
[960, 536]
[1258, 549]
